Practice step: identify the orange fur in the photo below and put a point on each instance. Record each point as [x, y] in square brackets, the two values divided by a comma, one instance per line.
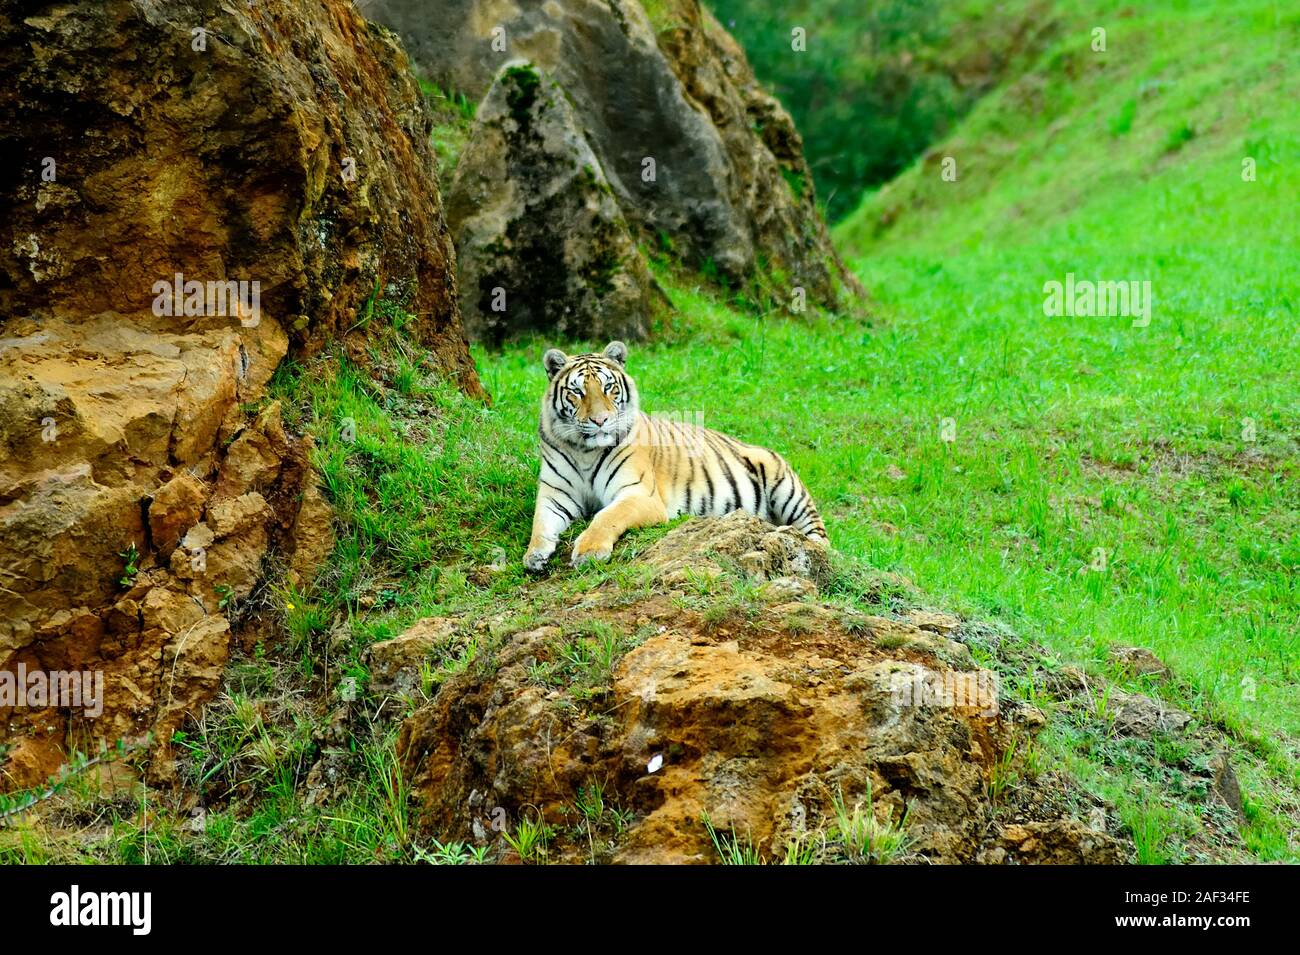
[602, 458]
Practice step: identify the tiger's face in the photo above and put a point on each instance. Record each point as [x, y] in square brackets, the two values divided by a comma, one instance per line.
[591, 401]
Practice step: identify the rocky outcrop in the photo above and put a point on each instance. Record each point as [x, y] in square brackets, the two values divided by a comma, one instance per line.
[783, 723]
[395, 664]
[280, 142]
[694, 151]
[159, 152]
[710, 549]
[769, 181]
[542, 243]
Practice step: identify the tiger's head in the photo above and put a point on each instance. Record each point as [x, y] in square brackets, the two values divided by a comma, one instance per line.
[591, 402]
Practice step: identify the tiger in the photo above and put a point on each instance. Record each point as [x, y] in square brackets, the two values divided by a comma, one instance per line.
[602, 458]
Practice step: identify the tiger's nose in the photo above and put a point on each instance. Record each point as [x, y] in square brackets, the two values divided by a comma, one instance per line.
[599, 418]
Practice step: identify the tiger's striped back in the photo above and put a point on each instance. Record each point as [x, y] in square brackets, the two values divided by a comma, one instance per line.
[709, 474]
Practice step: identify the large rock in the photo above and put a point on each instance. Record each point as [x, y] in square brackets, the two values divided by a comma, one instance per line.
[280, 142]
[692, 147]
[144, 480]
[763, 551]
[542, 242]
[69, 598]
[770, 181]
[768, 722]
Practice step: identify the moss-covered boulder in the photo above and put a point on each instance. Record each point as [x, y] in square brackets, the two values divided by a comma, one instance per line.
[542, 243]
[696, 152]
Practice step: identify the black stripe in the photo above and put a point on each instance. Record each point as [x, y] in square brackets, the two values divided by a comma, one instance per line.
[614, 470]
[735, 445]
[731, 478]
[551, 444]
[626, 486]
[794, 487]
[601, 460]
[677, 465]
[559, 490]
[799, 514]
[776, 487]
[548, 463]
[796, 505]
[753, 481]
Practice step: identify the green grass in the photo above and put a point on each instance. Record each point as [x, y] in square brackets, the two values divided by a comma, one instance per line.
[1082, 482]
[1104, 483]
[730, 848]
[453, 117]
[1170, 447]
[863, 838]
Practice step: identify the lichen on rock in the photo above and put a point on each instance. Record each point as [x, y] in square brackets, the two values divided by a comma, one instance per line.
[738, 541]
[695, 153]
[542, 243]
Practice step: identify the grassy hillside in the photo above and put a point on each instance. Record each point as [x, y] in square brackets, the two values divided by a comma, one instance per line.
[1081, 482]
[870, 86]
[1171, 446]
[1105, 483]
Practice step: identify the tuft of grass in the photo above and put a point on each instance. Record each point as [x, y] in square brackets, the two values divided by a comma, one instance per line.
[730, 848]
[452, 853]
[803, 849]
[132, 557]
[529, 840]
[1005, 772]
[863, 838]
[1148, 824]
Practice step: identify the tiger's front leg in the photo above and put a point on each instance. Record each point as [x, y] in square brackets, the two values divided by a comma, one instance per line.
[551, 518]
[636, 508]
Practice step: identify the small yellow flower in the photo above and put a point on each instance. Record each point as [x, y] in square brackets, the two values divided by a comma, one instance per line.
[288, 605]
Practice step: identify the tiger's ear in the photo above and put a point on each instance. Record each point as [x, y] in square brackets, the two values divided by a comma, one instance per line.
[553, 361]
[616, 351]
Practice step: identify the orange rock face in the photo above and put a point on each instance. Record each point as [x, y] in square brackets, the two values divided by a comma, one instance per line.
[143, 477]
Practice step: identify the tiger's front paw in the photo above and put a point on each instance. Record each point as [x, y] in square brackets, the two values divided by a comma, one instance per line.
[535, 560]
[590, 548]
